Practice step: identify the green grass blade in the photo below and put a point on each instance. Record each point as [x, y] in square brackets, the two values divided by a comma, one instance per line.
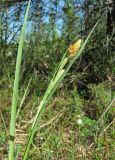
[16, 86]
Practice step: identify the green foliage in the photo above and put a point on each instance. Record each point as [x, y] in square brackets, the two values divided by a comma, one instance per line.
[75, 124]
[101, 97]
[86, 129]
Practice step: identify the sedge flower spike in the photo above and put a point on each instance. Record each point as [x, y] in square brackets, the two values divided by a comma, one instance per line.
[74, 48]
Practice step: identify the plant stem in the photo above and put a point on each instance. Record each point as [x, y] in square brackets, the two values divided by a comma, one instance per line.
[16, 86]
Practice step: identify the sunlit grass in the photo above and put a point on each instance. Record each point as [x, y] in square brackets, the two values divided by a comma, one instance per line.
[16, 86]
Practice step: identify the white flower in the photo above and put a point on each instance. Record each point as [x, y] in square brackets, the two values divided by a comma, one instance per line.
[79, 121]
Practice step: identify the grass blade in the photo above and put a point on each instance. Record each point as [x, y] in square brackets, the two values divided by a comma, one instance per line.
[16, 86]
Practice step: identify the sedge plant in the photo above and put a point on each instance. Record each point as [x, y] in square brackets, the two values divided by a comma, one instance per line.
[67, 61]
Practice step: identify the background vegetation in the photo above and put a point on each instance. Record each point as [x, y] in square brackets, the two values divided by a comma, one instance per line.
[79, 120]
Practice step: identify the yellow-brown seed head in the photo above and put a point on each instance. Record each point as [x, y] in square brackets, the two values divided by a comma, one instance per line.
[74, 48]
